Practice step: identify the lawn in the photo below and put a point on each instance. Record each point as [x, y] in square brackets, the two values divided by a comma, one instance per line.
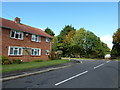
[29, 65]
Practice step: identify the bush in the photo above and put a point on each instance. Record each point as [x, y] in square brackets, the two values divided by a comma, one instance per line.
[38, 60]
[5, 60]
[17, 61]
[54, 55]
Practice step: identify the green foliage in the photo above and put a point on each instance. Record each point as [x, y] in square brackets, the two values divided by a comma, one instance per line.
[5, 60]
[17, 61]
[31, 65]
[65, 32]
[81, 43]
[61, 45]
[67, 43]
[116, 44]
[55, 44]
[49, 31]
[54, 55]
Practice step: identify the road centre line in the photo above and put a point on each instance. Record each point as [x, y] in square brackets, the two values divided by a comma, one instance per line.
[70, 78]
[98, 66]
[101, 64]
[78, 74]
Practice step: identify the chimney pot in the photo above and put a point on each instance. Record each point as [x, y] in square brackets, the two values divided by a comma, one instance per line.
[17, 20]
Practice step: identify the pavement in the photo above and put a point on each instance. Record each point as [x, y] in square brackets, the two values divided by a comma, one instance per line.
[86, 74]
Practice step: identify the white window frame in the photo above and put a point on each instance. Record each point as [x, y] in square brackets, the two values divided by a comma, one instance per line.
[14, 50]
[16, 32]
[34, 51]
[36, 36]
[47, 51]
[47, 39]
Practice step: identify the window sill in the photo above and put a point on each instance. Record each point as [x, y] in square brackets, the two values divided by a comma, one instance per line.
[16, 39]
[36, 42]
[15, 55]
[47, 42]
[35, 55]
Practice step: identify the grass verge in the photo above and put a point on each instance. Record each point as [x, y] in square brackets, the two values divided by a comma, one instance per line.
[82, 58]
[30, 65]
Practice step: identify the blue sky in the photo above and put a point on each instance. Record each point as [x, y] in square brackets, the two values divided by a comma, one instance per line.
[99, 17]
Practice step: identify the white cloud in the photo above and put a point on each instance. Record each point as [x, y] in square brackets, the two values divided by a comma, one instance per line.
[108, 40]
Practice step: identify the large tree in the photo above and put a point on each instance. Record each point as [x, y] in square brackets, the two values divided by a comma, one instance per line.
[67, 43]
[62, 36]
[87, 44]
[49, 31]
[116, 44]
[80, 43]
[65, 32]
[55, 44]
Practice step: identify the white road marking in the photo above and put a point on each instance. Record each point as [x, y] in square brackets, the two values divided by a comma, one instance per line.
[81, 62]
[108, 61]
[98, 66]
[71, 78]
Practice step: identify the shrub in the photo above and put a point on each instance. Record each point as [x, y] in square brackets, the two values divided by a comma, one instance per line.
[54, 55]
[38, 60]
[17, 61]
[5, 60]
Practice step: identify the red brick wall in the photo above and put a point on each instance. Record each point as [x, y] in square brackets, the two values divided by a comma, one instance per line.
[26, 42]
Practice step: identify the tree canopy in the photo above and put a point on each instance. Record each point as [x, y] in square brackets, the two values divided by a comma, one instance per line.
[65, 32]
[80, 43]
[49, 31]
[116, 44]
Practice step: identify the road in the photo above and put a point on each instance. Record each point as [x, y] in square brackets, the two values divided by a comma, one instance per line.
[88, 74]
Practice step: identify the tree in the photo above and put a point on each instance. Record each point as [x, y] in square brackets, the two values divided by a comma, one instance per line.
[49, 31]
[55, 44]
[77, 43]
[65, 32]
[81, 43]
[62, 46]
[67, 43]
[116, 44]
[87, 44]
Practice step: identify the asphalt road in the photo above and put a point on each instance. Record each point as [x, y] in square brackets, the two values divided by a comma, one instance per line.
[88, 74]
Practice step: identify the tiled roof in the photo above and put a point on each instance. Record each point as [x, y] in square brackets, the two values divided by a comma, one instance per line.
[22, 27]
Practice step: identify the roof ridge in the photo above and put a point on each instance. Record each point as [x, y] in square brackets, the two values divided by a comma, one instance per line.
[24, 26]
[20, 23]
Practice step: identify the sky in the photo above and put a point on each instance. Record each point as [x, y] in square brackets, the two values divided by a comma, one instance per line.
[99, 17]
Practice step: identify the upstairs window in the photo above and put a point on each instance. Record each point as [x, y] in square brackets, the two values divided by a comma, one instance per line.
[15, 50]
[47, 40]
[16, 34]
[47, 52]
[36, 38]
[36, 51]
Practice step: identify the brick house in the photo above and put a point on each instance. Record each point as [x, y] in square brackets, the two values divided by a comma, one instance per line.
[20, 41]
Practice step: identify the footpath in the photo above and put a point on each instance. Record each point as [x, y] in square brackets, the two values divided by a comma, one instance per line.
[24, 73]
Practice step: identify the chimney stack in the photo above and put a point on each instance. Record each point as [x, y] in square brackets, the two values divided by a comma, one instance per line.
[17, 20]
